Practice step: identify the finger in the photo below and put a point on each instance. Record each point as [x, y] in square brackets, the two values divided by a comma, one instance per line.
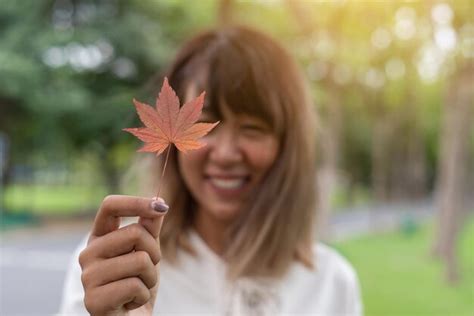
[112, 296]
[134, 264]
[120, 242]
[153, 225]
[115, 206]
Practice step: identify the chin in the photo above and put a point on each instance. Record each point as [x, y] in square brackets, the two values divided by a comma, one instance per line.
[226, 213]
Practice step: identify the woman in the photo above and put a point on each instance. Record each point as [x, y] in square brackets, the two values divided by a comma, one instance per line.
[238, 237]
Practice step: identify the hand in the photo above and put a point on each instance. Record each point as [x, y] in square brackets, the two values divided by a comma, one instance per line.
[119, 265]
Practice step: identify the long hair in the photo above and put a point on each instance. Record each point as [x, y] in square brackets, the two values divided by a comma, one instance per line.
[251, 74]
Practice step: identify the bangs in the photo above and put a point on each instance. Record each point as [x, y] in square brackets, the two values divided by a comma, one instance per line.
[241, 88]
[238, 80]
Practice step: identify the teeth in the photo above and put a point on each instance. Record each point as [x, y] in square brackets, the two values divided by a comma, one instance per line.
[227, 183]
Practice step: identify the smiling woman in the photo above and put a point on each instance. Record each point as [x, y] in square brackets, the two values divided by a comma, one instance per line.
[264, 146]
[238, 239]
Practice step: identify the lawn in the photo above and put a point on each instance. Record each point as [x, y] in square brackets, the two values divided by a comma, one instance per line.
[52, 200]
[398, 277]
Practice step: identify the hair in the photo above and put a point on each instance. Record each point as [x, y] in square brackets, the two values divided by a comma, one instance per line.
[251, 74]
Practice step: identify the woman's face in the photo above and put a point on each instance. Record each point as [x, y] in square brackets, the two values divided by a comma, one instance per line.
[220, 176]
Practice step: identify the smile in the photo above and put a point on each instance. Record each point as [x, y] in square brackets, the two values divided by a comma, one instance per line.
[229, 186]
[228, 183]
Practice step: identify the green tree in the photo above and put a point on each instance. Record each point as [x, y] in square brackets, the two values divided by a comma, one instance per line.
[69, 70]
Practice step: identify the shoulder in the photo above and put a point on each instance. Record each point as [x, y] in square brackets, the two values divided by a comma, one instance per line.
[330, 262]
[340, 279]
[331, 271]
[331, 288]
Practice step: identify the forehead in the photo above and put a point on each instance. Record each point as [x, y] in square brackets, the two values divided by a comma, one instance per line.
[220, 103]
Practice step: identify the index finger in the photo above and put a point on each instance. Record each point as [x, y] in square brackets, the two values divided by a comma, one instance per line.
[116, 206]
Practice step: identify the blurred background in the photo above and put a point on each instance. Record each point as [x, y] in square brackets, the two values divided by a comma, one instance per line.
[392, 83]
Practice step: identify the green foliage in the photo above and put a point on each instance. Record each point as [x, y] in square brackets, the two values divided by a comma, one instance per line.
[73, 67]
[69, 70]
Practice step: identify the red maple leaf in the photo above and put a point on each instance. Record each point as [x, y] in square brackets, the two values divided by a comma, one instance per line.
[170, 124]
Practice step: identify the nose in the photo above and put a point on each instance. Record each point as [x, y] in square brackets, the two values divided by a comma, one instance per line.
[224, 146]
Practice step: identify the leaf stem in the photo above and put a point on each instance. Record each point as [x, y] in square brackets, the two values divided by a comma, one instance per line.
[163, 172]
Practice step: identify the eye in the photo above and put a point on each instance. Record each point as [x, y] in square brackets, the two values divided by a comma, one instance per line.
[254, 128]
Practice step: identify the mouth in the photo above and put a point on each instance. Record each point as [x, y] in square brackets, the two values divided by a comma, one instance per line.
[228, 185]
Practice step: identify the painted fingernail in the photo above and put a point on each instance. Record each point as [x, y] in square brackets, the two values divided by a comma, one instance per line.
[159, 206]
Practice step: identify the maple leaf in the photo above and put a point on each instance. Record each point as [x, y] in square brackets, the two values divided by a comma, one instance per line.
[170, 124]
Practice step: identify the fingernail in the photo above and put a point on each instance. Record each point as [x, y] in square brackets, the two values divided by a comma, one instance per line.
[159, 206]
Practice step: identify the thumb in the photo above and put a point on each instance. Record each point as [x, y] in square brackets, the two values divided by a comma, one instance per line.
[153, 225]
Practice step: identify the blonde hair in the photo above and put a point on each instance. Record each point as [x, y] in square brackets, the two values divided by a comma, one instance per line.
[256, 76]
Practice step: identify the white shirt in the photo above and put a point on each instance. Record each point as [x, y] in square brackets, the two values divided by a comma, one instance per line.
[198, 286]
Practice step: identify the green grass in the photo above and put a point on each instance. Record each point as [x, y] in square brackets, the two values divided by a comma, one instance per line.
[398, 276]
[52, 200]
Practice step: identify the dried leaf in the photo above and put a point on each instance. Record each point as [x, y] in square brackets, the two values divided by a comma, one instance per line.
[170, 124]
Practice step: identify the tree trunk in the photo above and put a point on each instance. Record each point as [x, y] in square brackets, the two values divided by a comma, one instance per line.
[453, 167]
[416, 169]
[380, 159]
[330, 149]
[224, 12]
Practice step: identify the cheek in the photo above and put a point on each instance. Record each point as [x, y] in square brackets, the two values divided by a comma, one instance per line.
[263, 154]
[191, 163]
